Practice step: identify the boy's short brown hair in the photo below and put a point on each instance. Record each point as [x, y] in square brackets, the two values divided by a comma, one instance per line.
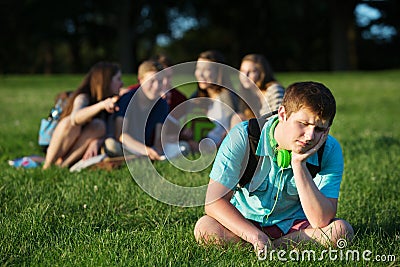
[313, 96]
[148, 65]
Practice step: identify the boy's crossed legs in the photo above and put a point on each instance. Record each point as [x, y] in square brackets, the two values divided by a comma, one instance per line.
[209, 230]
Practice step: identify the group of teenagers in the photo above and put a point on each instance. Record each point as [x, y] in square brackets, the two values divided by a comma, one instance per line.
[283, 203]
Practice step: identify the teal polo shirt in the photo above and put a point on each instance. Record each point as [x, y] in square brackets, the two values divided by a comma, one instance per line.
[272, 185]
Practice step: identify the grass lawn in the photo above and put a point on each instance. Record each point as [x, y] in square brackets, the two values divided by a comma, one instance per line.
[101, 218]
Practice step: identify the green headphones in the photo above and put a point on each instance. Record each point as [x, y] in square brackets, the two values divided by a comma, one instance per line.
[282, 156]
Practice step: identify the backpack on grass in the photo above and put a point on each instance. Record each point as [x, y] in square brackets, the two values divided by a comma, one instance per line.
[47, 125]
[254, 132]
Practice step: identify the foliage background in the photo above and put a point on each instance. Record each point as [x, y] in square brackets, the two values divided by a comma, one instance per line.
[44, 36]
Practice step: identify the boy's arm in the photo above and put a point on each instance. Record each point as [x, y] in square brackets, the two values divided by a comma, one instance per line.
[131, 143]
[218, 206]
[319, 209]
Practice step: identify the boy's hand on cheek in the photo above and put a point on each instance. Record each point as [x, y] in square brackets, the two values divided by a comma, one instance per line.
[299, 158]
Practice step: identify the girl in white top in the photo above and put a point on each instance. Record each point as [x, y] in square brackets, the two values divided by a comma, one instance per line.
[84, 122]
[212, 82]
[260, 91]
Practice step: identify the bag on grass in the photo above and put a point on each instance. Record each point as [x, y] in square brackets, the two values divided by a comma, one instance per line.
[47, 125]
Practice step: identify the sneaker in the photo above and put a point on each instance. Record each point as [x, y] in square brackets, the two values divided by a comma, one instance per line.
[113, 148]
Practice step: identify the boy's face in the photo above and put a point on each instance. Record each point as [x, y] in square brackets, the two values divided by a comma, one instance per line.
[152, 85]
[302, 129]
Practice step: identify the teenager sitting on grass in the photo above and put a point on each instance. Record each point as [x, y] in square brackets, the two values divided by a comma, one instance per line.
[86, 119]
[214, 83]
[282, 204]
[142, 112]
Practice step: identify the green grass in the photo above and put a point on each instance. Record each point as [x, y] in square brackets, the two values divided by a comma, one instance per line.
[100, 218]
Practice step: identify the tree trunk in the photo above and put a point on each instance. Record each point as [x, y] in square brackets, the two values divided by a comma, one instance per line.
[126, 37]
[343, 54]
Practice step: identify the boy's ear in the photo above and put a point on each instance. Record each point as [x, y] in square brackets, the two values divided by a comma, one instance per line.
[281, 113]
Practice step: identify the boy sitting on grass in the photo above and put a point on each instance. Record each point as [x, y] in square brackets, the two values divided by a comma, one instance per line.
[142, 113]
[282, 204]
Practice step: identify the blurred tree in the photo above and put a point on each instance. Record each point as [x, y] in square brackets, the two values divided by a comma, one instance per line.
[343, 51]
[378, 45]
[50, 37]
[294, 35]
[47, 36]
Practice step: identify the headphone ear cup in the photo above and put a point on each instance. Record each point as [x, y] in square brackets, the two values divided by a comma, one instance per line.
[283, 158]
